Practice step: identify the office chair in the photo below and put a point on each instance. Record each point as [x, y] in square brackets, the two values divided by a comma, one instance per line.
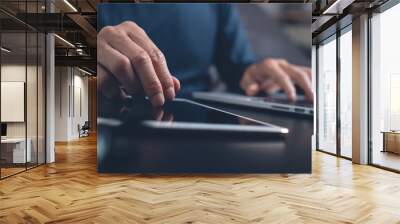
[84, 130]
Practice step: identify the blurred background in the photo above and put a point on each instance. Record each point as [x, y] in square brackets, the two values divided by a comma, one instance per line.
[279, 30]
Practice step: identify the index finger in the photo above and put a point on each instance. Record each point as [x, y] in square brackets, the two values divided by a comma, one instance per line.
[139, 36]
[142, 66]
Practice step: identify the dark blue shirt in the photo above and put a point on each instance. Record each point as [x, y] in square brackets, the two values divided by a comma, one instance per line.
[193, 37]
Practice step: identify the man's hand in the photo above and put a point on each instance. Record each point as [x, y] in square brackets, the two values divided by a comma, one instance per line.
[127, 58]
[272, 75]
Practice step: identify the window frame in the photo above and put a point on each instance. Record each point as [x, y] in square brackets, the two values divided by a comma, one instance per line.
[346, 27]
[378, 10]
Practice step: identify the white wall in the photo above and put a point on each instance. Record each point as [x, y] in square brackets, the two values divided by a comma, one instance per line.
[61, 103]
[71, 93]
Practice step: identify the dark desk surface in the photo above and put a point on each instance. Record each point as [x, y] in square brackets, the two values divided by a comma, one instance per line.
[120, 151]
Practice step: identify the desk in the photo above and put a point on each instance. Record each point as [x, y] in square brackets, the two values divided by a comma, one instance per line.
[118, 151]
[13, 150]
[391, 141]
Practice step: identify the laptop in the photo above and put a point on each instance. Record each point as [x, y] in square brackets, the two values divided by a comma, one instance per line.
[277, 102]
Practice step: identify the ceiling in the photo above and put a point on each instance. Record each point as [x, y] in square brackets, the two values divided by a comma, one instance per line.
[76, 25]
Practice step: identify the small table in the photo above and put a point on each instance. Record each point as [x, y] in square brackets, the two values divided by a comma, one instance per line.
[391, 141]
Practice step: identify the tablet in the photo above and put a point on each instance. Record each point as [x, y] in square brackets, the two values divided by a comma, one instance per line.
[185, 116]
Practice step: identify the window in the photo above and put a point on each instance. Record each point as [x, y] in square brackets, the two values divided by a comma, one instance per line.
[385, 89]
[346, 92]
[327, 96]
[334, 106]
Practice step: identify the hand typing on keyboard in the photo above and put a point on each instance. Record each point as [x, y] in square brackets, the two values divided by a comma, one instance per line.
[272, 75]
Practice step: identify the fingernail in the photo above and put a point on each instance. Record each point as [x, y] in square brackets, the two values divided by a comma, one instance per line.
[170, 93]
[157, 100]
[252, 90]
[253, 87]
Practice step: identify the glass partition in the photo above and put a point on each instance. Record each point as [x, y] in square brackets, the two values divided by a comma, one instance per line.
[22, 67]
[14, 153]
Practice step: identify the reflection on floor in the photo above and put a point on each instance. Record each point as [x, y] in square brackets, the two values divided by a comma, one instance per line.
[386, 159]
[71, 191]
[9, 170]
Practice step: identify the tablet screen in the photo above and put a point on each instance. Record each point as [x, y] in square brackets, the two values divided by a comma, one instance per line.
[182, 110]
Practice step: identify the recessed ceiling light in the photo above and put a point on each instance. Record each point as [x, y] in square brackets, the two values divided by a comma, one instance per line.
[65, 41]
[84, 71]
[70, 5]
[337, 7]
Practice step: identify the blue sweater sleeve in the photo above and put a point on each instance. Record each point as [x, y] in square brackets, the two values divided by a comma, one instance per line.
[233, 52]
